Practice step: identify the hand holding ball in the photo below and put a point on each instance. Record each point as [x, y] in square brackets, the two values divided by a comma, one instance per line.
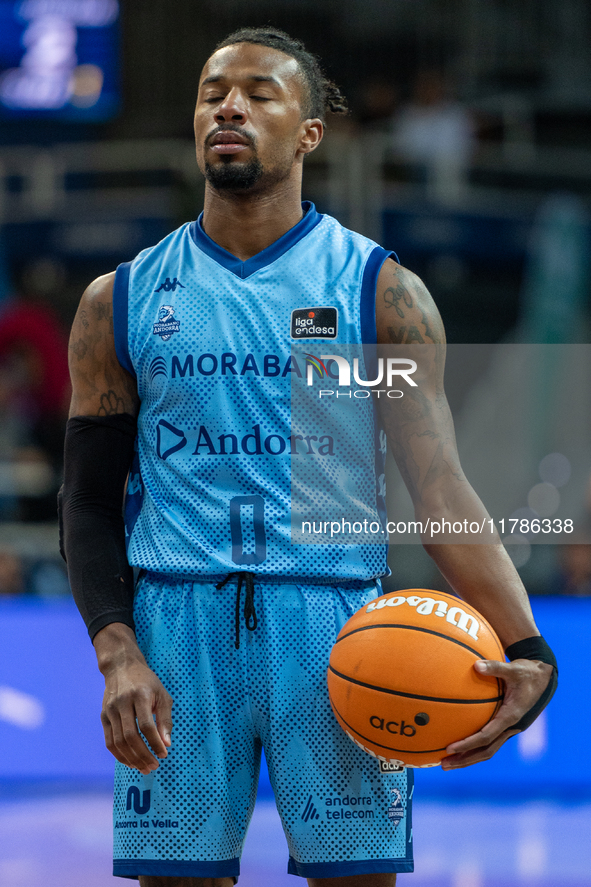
[401, 675]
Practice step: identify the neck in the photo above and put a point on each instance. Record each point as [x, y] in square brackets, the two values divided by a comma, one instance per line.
[245, 224]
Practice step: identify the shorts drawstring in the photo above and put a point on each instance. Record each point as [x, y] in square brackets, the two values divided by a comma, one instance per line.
[250, 617]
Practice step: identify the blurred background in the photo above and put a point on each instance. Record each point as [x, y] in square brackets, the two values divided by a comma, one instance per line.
[468, 152]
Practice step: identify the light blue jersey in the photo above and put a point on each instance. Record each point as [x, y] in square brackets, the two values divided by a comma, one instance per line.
[209, 339]
[233, 441]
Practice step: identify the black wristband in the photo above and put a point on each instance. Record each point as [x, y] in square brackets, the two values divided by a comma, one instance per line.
[532, 648]
[535, 648]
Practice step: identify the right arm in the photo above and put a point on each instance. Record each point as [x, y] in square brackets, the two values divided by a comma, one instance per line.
[100, 386]
[98, 452]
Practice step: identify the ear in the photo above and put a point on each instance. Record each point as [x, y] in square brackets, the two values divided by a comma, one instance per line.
[311, 135]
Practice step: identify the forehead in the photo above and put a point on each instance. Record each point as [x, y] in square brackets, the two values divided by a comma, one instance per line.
[248, 61]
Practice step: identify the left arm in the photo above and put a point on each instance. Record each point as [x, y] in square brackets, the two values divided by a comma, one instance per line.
[420, 430]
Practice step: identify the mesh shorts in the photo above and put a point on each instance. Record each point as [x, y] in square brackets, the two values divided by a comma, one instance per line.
[341, 814]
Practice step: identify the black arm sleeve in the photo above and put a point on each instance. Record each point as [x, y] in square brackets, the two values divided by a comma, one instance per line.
[97, 456]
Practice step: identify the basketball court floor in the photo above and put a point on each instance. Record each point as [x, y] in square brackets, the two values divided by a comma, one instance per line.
[64, 840]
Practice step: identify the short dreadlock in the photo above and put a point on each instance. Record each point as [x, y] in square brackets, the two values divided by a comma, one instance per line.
[323, 96]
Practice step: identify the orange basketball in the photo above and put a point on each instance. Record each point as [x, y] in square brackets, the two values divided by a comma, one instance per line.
[401, 678]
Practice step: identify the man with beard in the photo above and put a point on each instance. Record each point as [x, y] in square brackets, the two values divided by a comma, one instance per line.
[185, 352]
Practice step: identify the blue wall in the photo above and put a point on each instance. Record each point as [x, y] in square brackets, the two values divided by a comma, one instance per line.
[562, 765]
[51, 691]
[45, 654]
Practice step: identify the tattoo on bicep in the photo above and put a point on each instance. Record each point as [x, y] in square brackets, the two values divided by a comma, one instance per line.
[404, 335]
[102, 310]
[84, 319]
[111, 404]
[80, 349]
[428, 331]
[397, 335]
[394, 297]
[414, 335]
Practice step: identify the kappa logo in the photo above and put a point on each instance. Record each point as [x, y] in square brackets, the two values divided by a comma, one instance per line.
[169, 286]
[310, 811]
[165, 326]
[314, 323]
[133, 800]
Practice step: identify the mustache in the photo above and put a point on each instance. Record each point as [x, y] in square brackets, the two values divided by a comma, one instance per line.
[230, 127]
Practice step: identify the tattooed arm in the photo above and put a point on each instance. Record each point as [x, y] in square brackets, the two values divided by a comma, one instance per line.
[421, 433]
[101, 387]
[99, 448]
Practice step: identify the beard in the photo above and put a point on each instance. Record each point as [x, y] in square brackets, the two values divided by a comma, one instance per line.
[231, 175]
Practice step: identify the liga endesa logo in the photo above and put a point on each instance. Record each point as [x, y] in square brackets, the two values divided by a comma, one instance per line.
[389, 371]
[314, 323]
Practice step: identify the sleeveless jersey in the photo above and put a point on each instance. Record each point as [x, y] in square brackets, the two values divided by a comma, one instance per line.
[209, 339]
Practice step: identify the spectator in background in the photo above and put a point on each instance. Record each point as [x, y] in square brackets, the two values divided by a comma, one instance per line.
[47, 578]
[31, 336]
[574, 559]
[34, 393]
[12, 580]
[437, 132]
[43, 577]
[574, 576]
[376, 101]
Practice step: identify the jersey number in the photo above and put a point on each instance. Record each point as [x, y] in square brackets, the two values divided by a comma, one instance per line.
[247, 526]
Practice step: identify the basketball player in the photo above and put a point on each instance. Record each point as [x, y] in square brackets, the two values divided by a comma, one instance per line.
[181, 372]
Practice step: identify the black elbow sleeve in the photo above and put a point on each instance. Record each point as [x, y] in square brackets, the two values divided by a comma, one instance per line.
[97, 457]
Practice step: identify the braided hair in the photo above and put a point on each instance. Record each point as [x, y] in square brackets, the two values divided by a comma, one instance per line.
[323, 96]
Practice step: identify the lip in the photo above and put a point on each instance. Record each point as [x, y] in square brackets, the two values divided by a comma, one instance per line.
[228, 137]
[228, 143]
[229, 148]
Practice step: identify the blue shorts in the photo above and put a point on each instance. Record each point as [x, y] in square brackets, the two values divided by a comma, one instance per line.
[341, 814]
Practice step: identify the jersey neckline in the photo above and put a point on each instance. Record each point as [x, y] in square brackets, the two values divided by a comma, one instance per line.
[267, 256]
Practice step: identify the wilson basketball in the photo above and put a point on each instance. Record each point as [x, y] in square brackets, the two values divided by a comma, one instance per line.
[401, 676]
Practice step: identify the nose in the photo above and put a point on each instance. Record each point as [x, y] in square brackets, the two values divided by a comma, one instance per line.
[232, 109]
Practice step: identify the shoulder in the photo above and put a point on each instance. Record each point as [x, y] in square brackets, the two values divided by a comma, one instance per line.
[100, 384]
[95, 311]
[148, 259]
[94, 319]
[405, 310]
[332, 228]
[96, 305]
[173, 241]
[100, 290]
